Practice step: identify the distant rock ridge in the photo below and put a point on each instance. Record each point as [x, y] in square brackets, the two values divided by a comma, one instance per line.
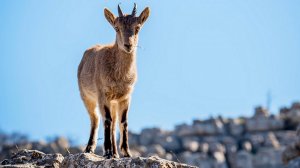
[33, 158]
[263, 140]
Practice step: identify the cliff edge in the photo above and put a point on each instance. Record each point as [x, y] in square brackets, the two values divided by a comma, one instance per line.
[33, 158]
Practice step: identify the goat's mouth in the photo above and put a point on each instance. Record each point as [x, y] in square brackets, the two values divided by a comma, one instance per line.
[128, 48]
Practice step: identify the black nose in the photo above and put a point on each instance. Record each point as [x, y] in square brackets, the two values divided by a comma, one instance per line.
[128, 46]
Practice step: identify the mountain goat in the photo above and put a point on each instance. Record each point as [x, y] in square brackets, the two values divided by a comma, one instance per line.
[106, 77]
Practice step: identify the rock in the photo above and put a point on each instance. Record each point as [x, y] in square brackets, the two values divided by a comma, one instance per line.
[294, 163]
[257, 141]
[203, 147]
[155, 150]
[184, 130]
[138, 150]
[230, 143]
[271, 141]
[291, 116]
[236, 127]
[216, 147]
[286, 137]
[208, 127]
[260, 112]
[268, 157]
[293, 150]
[133, 139]
[242, 159]
[190, 144]
[219, 160]
[148, 135]
[256, 124]
[212, 126]
[34, 158]
[196, 159]
[168, 142]
[91, 160]
[246, 145]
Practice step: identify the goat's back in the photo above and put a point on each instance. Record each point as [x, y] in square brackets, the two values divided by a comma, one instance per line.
[87, 69]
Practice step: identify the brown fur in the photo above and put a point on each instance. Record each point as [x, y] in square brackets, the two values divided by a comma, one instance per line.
[106, 77]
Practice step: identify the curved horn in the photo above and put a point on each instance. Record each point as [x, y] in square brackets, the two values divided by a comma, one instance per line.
[120, 11]
[134, 10]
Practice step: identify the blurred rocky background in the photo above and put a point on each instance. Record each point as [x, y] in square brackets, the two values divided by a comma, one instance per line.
[262, 141]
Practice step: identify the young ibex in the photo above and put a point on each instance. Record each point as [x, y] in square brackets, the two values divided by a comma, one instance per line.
[106, 77]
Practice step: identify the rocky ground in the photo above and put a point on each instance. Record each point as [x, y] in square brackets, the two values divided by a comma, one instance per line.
[260, 141]
[33, 158]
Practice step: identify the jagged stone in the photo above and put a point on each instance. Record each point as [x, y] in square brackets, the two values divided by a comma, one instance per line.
[91, 160]
[33, 158]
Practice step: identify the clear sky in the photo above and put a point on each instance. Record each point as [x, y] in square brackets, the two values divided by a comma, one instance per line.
[196, 59]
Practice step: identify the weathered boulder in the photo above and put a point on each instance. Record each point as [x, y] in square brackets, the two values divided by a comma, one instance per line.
[286, 137]
[34, 158]
[236, 127]
[256, 124]
[91, 160]
[268, 157]
[291, 116]
[241, 159]
[190, 144]
[31, 158]
[184, 130]
[212, 126]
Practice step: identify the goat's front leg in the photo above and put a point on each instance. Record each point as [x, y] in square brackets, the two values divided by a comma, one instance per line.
[91, 107]
[123, 124]
[108, 122]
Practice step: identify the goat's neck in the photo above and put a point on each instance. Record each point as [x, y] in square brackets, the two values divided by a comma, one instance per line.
[125, 62]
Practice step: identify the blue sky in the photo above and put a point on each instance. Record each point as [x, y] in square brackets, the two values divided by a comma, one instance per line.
[196, 59]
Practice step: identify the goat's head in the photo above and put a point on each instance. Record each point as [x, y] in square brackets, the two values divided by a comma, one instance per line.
[127, 27]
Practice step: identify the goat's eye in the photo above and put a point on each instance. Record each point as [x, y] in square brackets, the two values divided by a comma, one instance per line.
[117, 29]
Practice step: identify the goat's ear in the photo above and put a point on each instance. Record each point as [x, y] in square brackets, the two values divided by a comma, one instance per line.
[144, 15]
[110, 17]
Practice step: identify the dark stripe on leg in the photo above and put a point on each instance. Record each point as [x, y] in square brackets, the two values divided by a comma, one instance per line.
[107, 133]
[91, 144]
[124, 116]
[107, 113]
[124, 144]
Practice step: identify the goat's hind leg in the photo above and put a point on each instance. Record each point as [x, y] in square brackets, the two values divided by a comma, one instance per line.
[94, 117]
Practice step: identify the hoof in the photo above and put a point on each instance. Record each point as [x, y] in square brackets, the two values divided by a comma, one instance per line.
[108, 156]
[116, 156]
[128, 154]
[89, 149]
